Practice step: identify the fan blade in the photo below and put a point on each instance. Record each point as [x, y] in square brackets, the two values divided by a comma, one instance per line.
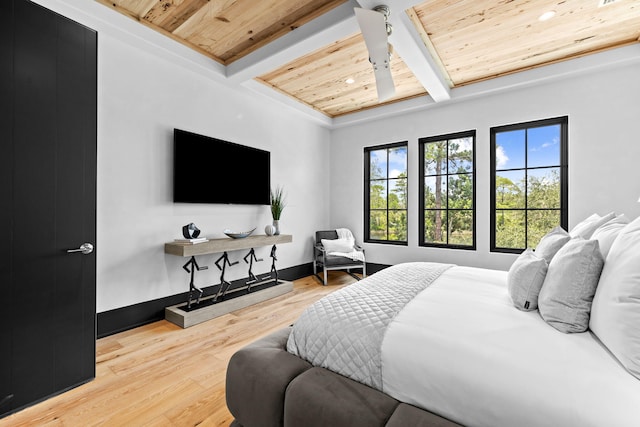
[374, 31]
[384, 83]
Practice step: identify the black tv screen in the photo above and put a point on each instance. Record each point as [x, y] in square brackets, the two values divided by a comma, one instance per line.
[210, 170]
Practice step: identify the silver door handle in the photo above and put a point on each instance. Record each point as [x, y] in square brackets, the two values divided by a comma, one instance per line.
[85, 248]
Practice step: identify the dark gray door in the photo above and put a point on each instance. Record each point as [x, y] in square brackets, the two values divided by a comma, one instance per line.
[48, 111]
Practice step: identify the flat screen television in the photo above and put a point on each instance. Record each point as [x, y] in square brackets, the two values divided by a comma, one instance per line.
[210, 170]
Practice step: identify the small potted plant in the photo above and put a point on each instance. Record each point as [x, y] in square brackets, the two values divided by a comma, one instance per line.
[277, 206]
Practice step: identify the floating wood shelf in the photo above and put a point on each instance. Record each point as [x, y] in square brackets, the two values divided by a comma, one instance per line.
[226, 244]
[187, 314]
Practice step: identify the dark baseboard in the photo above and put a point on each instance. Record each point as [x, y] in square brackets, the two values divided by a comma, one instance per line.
[125, 318]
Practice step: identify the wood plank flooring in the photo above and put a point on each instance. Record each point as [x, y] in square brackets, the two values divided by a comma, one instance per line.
[162, 375]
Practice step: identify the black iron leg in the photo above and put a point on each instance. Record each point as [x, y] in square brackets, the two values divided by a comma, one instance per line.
[224, 285]
[252, 277]
[190, 267]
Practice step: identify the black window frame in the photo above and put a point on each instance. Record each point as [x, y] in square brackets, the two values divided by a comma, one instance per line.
[367, 189]
[563, 121]
[421, 167]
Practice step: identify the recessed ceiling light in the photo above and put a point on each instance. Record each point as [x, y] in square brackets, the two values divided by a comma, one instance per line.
[349, 81]
[547, 15]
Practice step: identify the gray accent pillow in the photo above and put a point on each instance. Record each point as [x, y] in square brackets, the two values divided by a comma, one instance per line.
[525, 279]
[568, 289]
[551, 243]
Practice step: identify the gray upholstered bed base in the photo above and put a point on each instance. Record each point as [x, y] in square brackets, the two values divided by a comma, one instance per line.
[267, 386]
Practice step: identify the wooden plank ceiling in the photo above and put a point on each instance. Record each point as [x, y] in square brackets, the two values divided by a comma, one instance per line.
[469, 40]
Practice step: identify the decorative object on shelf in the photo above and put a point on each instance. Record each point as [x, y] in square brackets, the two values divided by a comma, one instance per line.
[238, 235]
[192, 241]
[190, 231]
[269, 230]
[277, 206]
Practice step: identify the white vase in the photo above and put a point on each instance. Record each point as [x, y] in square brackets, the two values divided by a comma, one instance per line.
[269, 230]
[276, 224]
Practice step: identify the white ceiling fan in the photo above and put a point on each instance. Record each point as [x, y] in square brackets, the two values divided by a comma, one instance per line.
[376, 29]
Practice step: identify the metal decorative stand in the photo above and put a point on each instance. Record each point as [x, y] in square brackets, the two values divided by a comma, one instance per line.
[274, 271]
[252, 277]
[224, 285]
[191, 266]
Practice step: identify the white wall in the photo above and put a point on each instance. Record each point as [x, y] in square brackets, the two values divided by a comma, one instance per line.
[149, 84]
[604, 155]
[142, 97]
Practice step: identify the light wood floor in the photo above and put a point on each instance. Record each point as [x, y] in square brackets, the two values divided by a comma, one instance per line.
[162, 375]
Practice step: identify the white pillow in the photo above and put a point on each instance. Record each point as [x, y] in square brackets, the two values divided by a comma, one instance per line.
[338, 245]
[567, 292]
[586, 227]
[615, 315]
[607, 233]
[524, 280]
[551, 243]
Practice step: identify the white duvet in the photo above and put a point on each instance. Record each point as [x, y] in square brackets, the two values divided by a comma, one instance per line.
[460, 349]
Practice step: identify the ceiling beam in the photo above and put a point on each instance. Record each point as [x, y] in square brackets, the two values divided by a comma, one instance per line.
[408, 43]
[338, 23]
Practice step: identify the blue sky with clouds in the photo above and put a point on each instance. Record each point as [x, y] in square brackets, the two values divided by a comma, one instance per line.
[397, 161]
[541, 145]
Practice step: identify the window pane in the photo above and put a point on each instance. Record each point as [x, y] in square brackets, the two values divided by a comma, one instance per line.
[460, 191]
[435, 192]
[398, 226]
[378, 194]
[378, 164]
[398, 193]
[543, 188]
[510, 189]
[461, 155]
[510, 229]
[386, 195]
[528, 199]
[378, 225]
[398, 162]
[543, 146]
[435, 158]
[510, 149]
[460, 228]
[540, 223]
[435, 226]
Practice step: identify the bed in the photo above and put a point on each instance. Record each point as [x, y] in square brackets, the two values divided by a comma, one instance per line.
[428, 344]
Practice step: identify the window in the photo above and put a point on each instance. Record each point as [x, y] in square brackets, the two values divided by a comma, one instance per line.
[528, 182]
[386, 193]
[447, 189]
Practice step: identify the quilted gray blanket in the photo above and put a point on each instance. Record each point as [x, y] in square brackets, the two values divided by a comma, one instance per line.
[343, 331]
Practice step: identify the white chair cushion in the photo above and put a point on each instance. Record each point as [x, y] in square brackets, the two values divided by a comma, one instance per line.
[338, 245]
